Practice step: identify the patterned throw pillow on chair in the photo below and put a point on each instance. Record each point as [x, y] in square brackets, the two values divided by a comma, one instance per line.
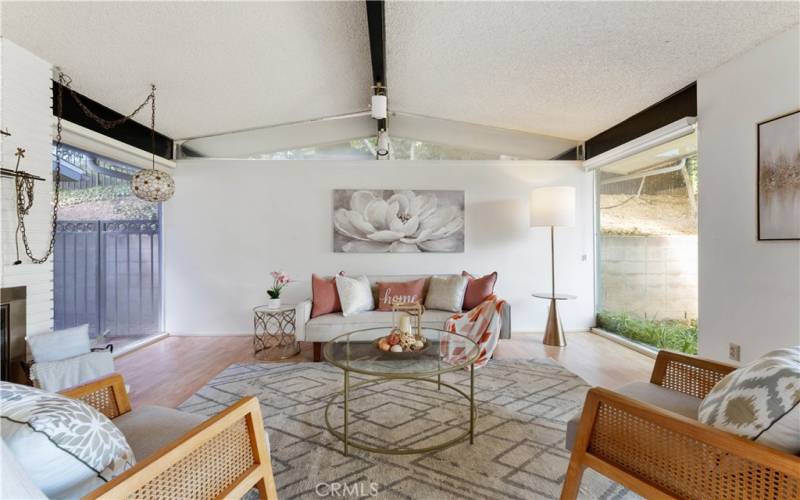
[66, 447]
[760, 401]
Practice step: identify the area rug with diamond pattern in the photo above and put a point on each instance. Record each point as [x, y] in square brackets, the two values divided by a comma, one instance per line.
[523, 407]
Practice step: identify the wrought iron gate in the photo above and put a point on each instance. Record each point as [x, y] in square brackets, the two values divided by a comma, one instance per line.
[108, 274]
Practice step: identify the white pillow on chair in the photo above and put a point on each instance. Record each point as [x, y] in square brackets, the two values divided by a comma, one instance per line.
[60, 344]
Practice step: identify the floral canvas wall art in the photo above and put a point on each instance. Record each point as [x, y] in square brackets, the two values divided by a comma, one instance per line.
[401, 221]
[779, 178]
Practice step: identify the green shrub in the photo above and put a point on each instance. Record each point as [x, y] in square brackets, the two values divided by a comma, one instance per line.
[662, 334]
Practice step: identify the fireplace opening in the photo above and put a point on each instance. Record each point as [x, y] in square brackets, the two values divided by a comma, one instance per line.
[13, 350]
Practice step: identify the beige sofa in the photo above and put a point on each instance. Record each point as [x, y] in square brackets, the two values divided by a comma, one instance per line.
[324, 328]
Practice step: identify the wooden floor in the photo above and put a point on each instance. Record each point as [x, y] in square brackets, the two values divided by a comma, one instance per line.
[168, 372]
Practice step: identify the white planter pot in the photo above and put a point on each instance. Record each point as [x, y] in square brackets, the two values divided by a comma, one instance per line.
[274, 303]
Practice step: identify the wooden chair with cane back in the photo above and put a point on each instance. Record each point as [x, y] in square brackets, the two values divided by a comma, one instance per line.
[225, 456]
[658, 453]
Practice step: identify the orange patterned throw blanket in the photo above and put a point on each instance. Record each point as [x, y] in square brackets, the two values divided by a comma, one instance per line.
[482, 325]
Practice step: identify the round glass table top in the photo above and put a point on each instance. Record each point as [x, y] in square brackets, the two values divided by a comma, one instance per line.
[357, 352]
[557, 296]
[267, 309]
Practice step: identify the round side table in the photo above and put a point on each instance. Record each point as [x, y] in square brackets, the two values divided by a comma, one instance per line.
[274, 332]
[554, 332]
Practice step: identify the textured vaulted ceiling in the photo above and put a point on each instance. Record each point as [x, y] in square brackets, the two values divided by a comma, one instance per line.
[567, 69]
[219, 67]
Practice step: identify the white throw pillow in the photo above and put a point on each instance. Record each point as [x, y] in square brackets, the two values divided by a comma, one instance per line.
[759, 401]
[446, 293]
[65, 446]
[60, 344]
[355, 294]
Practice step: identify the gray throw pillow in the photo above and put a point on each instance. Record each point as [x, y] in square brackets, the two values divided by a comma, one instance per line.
[446, 293]
[759, 401]
[65, 446]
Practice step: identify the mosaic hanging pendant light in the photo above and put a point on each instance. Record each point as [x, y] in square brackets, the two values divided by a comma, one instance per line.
[151, 184]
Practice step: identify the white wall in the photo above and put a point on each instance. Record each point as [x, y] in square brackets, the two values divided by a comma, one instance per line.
[25, 112]
[749, 289]
[233, 221]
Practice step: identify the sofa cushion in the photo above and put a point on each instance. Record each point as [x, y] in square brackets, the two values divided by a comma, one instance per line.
[65, 446]
[446, 293]
[667, 399]
[759, 401]
[405, 292]
[478, 289]
[355, 294]
[328, 326]
[150, 427]
[324, 296]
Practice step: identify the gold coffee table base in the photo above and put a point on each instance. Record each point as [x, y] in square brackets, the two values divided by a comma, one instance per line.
[348, 441]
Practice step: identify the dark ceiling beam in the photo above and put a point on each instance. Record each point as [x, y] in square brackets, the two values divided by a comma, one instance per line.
[377, 44]
[679, 105]
[130, 132]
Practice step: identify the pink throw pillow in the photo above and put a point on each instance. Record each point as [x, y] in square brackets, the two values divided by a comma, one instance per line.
[407, 292]
[478, 289]
[324, 296]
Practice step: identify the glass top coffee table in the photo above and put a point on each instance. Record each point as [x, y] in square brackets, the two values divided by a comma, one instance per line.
[356, 352]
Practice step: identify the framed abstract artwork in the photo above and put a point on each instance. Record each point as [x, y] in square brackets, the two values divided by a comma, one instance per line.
[778, 198]
[398, 221]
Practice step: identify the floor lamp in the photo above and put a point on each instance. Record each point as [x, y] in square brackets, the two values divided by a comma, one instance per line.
[551, 207]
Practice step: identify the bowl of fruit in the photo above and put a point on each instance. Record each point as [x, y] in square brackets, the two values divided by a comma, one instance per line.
[400, 343]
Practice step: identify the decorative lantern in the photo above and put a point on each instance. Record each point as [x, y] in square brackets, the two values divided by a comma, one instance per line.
[152, 185]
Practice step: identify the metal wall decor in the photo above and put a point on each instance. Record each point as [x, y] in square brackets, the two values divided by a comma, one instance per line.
[24, 187]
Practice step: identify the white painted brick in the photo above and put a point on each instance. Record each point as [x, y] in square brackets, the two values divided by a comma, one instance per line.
[25, 110]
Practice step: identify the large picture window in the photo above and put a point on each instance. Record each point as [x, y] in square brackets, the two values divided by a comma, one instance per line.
[647, 246]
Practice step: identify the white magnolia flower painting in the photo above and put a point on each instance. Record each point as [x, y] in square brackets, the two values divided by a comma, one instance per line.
[379, 221]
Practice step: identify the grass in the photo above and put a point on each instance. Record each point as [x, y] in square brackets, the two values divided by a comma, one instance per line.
[662, 334]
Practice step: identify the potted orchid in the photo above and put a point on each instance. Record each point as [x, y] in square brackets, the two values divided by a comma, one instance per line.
[279, 280]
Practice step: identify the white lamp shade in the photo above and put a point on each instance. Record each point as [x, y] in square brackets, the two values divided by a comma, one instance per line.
[379, 107]
[553, 206]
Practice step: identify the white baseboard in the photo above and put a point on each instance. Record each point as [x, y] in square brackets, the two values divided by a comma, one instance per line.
[647, 351]
[138, 345]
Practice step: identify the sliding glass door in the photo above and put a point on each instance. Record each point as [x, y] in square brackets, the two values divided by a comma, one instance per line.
[107, 259]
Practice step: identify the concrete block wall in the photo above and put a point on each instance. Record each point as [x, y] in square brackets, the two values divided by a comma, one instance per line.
[652, 276]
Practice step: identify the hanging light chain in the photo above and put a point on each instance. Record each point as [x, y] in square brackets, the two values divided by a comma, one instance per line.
[24, 187]
[25, 190]
[106, 124]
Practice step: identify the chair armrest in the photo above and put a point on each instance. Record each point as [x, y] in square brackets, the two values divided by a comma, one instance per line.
[654, 451]
[106, 394]
[688, 374]
[224, 457]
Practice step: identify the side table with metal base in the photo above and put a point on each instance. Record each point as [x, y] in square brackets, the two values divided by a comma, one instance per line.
[554, 332]
[274, 332]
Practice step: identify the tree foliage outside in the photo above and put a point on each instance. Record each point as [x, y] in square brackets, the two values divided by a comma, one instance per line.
[105, 203]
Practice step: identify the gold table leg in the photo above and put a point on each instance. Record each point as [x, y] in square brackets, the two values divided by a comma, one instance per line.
[346, 394]
[472, 403]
